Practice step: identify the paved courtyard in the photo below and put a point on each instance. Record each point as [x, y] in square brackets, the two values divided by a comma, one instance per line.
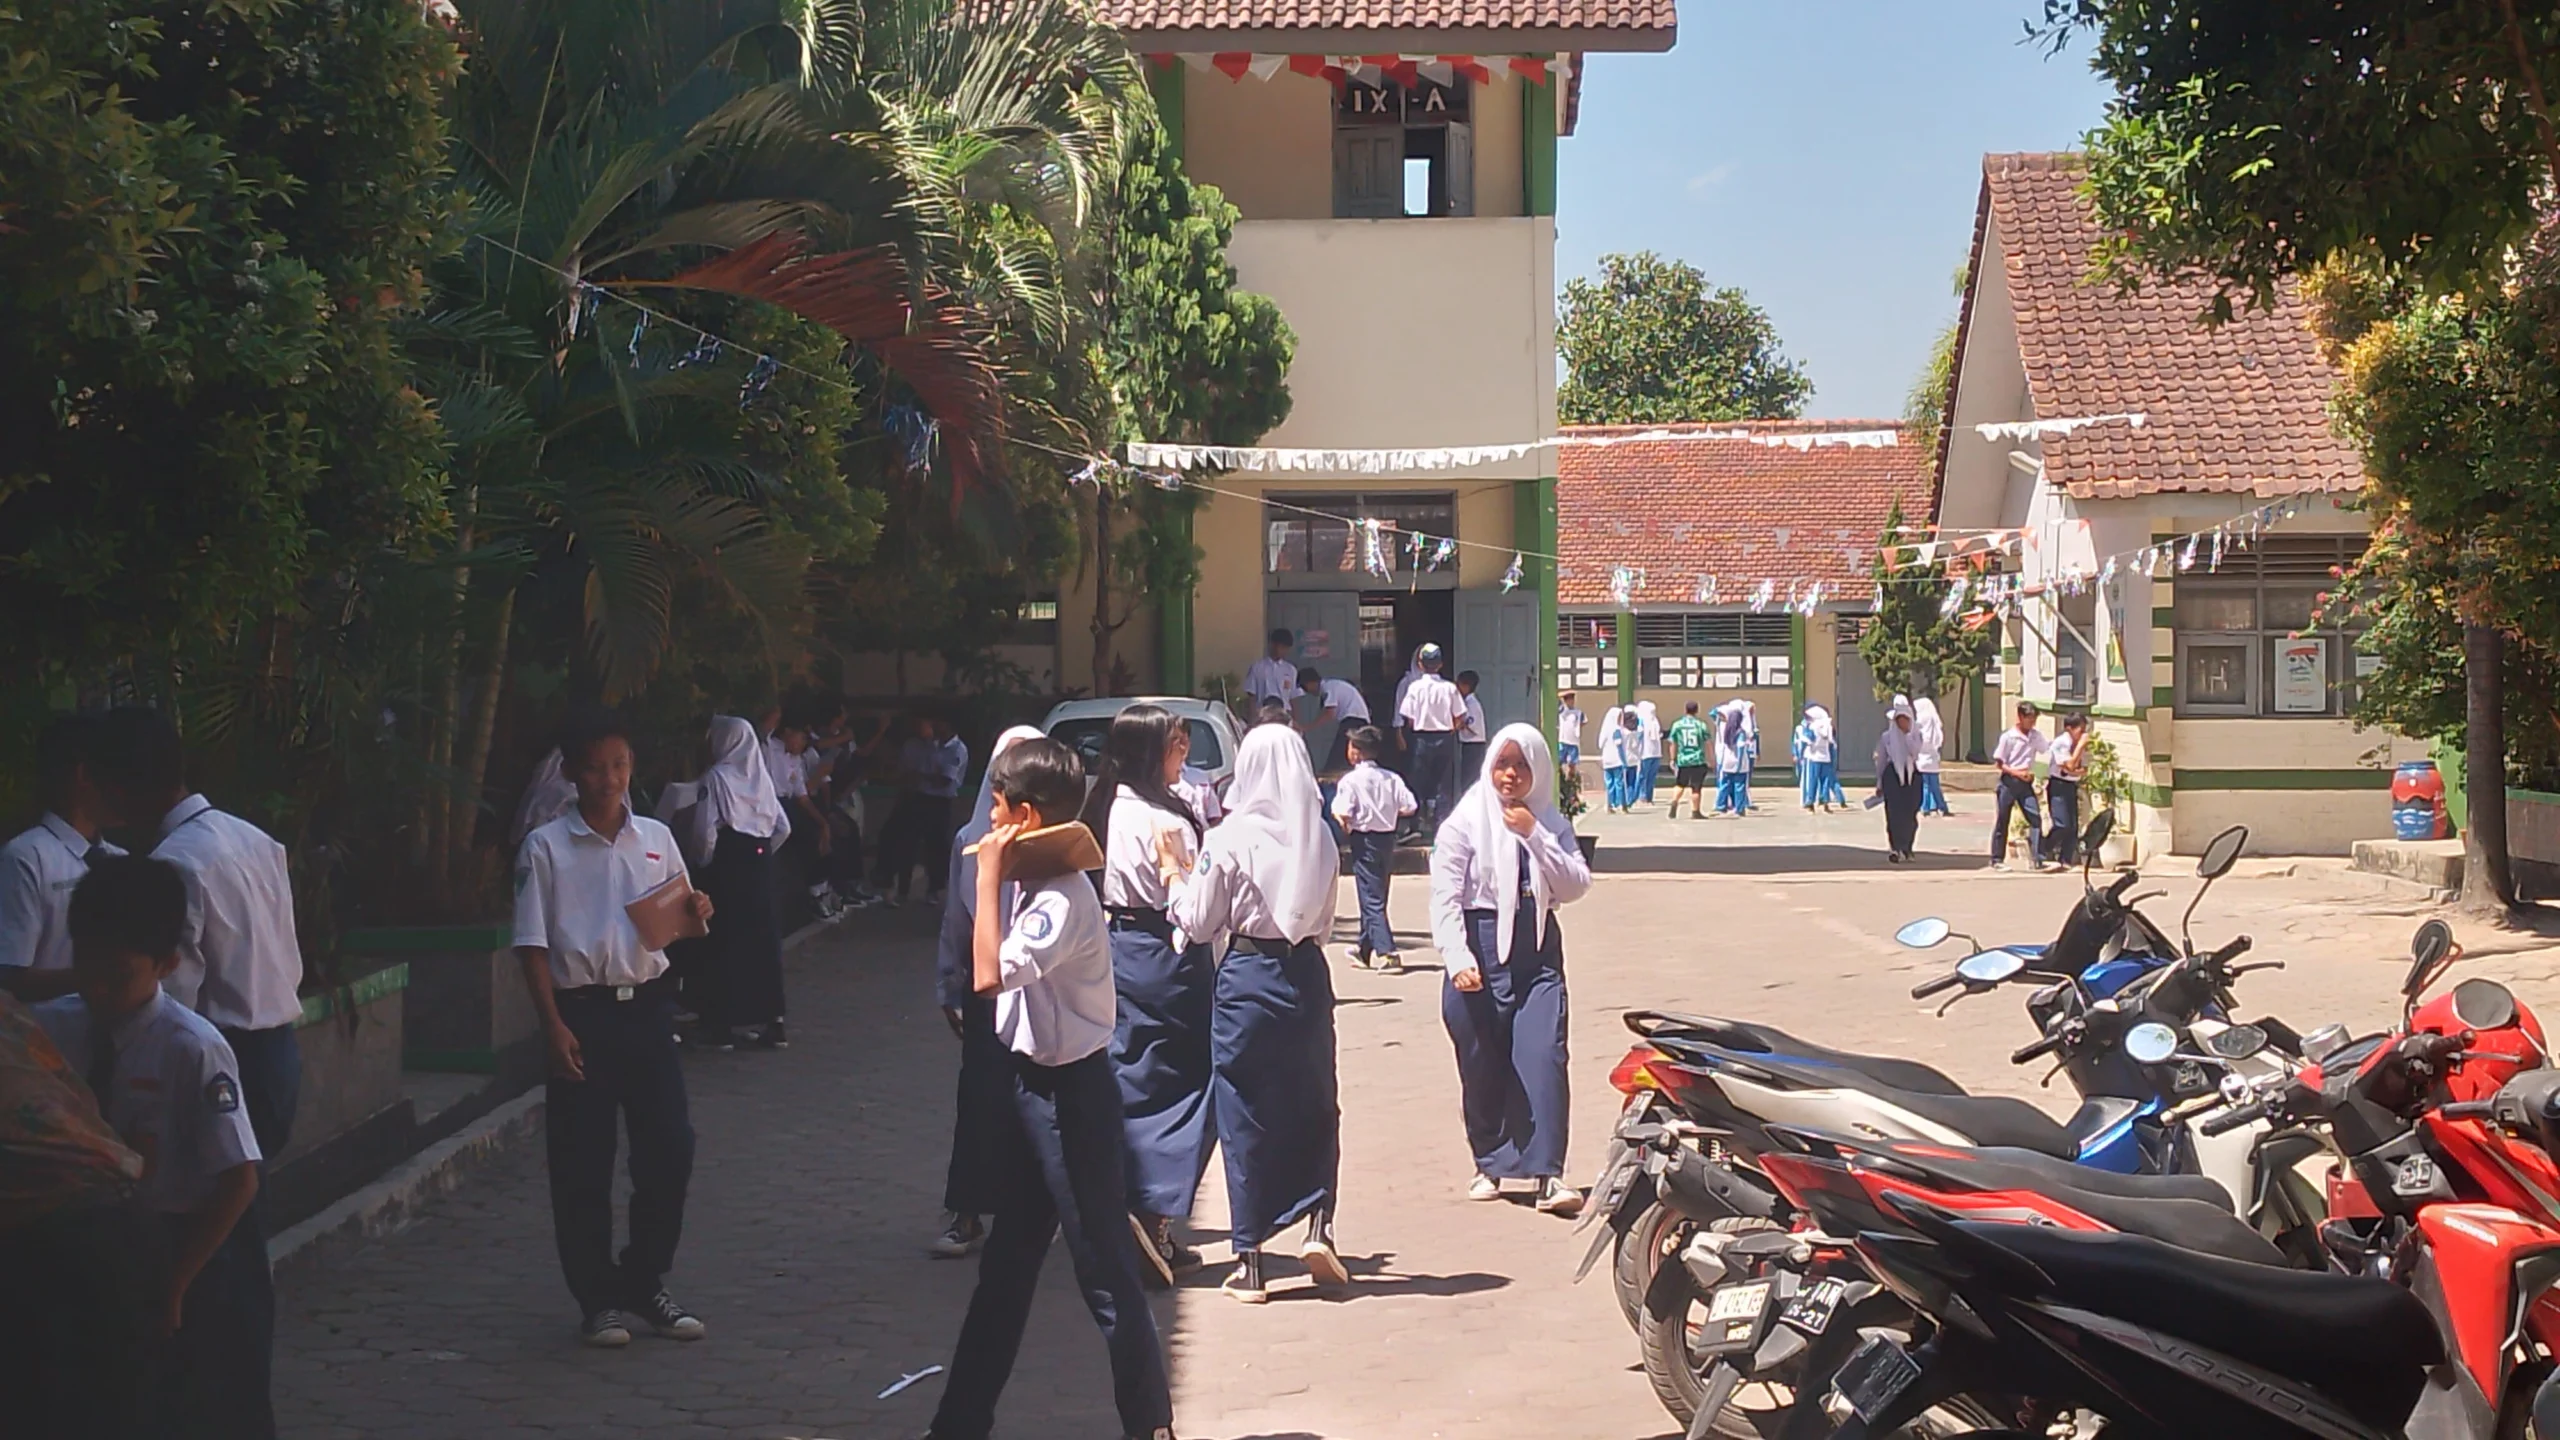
[820, 1170]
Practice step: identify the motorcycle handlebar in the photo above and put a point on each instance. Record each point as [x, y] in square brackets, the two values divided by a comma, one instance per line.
[2238, 947]
[2123, 883]
[2036, 1050]
[2234, 1119]
[1927, 988]
[2468, 1110]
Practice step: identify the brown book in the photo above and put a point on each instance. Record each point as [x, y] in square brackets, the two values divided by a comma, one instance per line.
[1049, 852]
[665, 914]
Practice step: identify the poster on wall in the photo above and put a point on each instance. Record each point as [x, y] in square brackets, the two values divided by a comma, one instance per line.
[1314, 645]
[2302, 676]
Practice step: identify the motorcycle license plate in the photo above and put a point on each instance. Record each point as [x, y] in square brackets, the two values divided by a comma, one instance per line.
[1811, 1311]
[1875, 1376]
[1733, 1316]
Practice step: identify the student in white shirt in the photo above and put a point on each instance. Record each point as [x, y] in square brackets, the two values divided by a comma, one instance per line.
[1568, 731]
[39, 868]
[1275, 675]
[2016, 755]
[1048, 965]
[1371, 802]
[2066, 764]
[1430, 713]
[1263, 892]
[165, 1080]
[240, 962]
[1501, 865]
[609, 1026]
[1618, 732]
[1160, 1043]
[1472, 730]
[1648, 750]
[1930, 755]
[1341, 709]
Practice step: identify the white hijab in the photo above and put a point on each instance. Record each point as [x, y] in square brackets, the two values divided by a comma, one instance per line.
[1925, 724]
[1820, 720]
[1276, 832]
[1898, 747]
[737, 791]
[1477, 818]
[547, 797]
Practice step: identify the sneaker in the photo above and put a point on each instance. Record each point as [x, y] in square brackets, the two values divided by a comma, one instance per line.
[670, 1319]
[715, 1037]
[2000, 865]
[1392, 964]
[1557, 1198]
[1361, 958]
[1893, 857]
[607, 1329]
[960, 1238]
[1159, 1271]
[1484, 1187]
[1246, 1283]
[1320, 1258]
[771, 1037]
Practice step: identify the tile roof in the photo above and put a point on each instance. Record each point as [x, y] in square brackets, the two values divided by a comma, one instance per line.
[1585, 24]
[1744, 513]
[2242, 407]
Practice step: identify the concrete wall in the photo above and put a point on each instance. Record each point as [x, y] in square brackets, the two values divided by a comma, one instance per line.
[1269, 144]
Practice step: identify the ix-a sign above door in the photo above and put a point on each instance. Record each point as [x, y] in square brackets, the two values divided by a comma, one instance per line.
[1424, 102]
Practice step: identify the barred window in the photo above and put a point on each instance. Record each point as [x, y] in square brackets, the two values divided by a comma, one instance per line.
[2248, 637]
[1586, 632]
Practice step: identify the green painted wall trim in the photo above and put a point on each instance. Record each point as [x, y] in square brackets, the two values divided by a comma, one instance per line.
[1977, 704]
[390, 980]
[416, 939]
[1166, 84]
[2283, 779]
[1533, 531]
[1627, 662]
[2538, 797]
[2164, 697]
[1173, 626]
[1795, 665]
[2158, 797]
[2117, 712]
[2010, 655]
[2164, 617]
[1538, 145]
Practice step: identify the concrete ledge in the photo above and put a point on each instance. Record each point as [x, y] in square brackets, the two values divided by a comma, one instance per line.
[2436, 864]
[392, 1202]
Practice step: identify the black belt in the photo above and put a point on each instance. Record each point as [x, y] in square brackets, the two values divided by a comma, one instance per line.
[1273, 949]
[646, 990]
[1138, 917]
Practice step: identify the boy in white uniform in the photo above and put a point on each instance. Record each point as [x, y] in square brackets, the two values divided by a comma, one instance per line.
[608, 1020]
[1371, 802]
[168, 1083]
[39, 867]
[1048, 964]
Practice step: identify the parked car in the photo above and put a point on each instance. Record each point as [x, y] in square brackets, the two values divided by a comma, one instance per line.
[1081, 725]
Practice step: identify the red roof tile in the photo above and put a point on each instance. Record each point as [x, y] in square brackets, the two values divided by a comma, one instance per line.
[2242, 407]
[1568, 24]
[1744, 513]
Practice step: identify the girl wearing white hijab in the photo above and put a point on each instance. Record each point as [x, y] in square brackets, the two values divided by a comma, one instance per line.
[1933, 744]
[1499, 867]
[1817, 752]
[547, 797]
[1262, 894]
[1737, 749]
[1617, 758]
[1898, 779]
[1648, 750]
[976, 1179]
[732, 824]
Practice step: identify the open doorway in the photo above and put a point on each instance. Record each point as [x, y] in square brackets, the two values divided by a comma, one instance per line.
[1394, 624]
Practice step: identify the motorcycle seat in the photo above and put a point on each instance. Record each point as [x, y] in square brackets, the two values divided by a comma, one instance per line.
[2364, 1344]
[1986, 1120]
[1744, 1037]
[1999, 1168]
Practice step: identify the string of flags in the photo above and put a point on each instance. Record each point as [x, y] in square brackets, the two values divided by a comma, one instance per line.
[2044, 429]
[1404, 69]
[1280, 459]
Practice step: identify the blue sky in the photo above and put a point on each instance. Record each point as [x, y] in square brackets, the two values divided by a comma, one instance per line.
[1823, 155]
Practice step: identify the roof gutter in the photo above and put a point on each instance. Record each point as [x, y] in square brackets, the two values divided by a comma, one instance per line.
[1456, 41]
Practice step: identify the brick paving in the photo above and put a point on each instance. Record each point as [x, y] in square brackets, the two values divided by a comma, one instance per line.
[820, 1171]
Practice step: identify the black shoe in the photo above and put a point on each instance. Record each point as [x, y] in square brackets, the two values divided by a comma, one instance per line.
[1159, 1270]
[607, 1329]
[669, 1318]
[772, 1038]
[1246, 1283]
[715, 1037]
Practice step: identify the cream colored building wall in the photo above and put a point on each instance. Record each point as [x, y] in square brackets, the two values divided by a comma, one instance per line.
[1133, 645]
[1268, 144]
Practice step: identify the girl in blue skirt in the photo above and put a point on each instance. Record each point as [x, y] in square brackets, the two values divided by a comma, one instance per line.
[1160, 1045]
[1500, 866]
[1263, 891]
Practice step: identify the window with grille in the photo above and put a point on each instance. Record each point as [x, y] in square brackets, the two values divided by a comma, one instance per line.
[1328, 542]
[1715, 650]
[1586, 632]
[2249, 635]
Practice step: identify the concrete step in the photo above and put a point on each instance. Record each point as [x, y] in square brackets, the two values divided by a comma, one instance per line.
[2436, 864]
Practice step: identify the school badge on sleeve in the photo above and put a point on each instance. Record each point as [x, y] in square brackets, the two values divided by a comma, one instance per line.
[1037, 926]
[222, 1094]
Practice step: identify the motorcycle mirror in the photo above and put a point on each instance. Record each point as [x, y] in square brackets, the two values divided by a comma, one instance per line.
[2099, 829]
[1991, 966]
[2150, 1042]
[1924, 933]
[2484, 1005]
[2320, 1042]
[2237, 1043]
[2222, 852]
[2428, 949]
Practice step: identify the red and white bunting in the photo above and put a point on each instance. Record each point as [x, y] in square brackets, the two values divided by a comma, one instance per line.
[1404, 69]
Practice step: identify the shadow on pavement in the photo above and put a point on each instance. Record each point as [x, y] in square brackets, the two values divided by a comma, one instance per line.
[1762, 860]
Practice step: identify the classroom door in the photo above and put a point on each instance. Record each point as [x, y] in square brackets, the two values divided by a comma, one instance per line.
[1327, 624]
[1857, 716]
[1498, 639]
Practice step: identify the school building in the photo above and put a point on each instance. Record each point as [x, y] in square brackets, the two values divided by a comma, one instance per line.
[1394, 166]
[2220, 684]
[1691, 565]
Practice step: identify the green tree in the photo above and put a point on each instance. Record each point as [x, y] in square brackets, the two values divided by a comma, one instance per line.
[1924, 409]
[1650, 342]
[1912, 646]
[2251, 144]
[1187, 358]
